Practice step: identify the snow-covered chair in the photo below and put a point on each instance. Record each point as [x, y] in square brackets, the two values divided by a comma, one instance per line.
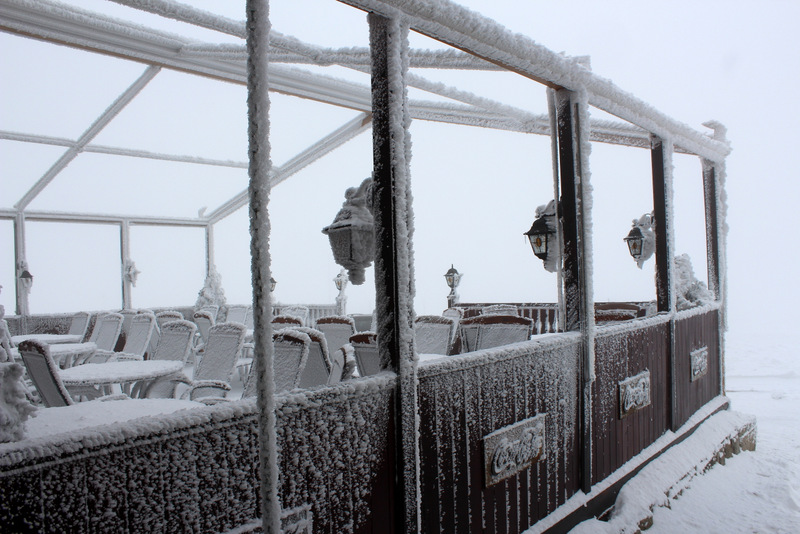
[106, 331]
[136, 342]
[487, 331]
[286, 321]
[337, 366]
[175, 344]
[127, 319]
[212, 309]
[236, 314]
[317, 369]
[43, 372]
[166, 316]
[79, 325]
[290, 357]
[337, 330]
[363, 322]
[500, 309]
[212, 374]
[204, 320]
[300, 312]
[433, 334]
[365, 349]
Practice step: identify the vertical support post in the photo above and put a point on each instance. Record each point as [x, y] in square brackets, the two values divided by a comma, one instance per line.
[393, 265]
[554, 134]
[575, 214]
[210, 258]
[20, 258]
[125, 259]
[258, 29]
[714, 251]
[662, 206]
[710, 188]
[661, 158]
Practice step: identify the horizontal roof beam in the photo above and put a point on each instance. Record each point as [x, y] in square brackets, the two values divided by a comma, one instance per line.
[67, 217]
[455, 25]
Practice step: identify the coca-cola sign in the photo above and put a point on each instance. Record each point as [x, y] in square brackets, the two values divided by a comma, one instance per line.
[511, 449]
[634, 393]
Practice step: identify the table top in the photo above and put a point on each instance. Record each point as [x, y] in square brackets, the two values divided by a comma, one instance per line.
[118, 372]
[48, 338]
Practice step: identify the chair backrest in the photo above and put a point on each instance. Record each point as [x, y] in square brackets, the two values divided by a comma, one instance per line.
[175, 344]
[106, 331]
[290, 356]
[363, 322]
[248, 318]
[318, 365]
[166, 316]
[236, 314]
[337, 330]
[79, 324]
[433, 334]
[204, 321]
[43, 372]
[127, 319]
[300, 312]
[487, 331]
[212, 309]
[139, 334]
[365, 347]
[287, 320]
[222, 349]
[337, 366]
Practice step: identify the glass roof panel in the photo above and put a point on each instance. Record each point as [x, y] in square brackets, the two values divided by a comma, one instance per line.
[22, 165]
[106, 184]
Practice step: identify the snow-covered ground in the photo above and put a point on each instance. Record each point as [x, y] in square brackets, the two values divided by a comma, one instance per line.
[754, 492]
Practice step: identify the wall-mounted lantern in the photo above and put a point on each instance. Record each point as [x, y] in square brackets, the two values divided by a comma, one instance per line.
[452, 277]
[272, 284]
[351, 233]
[641, 240]
[542, 236]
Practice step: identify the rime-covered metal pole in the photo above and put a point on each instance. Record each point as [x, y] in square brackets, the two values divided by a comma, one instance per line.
[258, 28]
[394, 278]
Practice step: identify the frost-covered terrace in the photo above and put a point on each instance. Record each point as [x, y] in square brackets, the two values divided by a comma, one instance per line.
[405, 447]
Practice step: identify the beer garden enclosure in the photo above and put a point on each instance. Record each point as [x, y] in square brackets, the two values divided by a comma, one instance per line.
[350, 453]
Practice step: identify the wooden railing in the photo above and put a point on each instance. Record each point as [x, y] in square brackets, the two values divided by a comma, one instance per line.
[465, 398]
[198, 471]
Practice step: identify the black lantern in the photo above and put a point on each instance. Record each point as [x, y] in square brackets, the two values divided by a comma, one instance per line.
[539, 235]
[272, 283]
[452, 277]
[635, 241]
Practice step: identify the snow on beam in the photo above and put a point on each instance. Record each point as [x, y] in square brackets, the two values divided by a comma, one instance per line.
[322, 147]
[108, 115]
[471, 32]
[117, 151]
[60, 216]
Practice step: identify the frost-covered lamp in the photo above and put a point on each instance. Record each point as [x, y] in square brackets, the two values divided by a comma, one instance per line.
[635, 239]
[341, 283]
[272, 284]
[539, 236]
[351, 234]
[641, 240]
[452, 277]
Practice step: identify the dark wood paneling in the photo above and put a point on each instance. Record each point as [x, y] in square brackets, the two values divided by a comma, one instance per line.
[475, 396]
[692, 333]
[620, 354]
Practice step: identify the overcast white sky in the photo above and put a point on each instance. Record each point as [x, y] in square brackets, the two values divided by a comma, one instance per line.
[475, 191]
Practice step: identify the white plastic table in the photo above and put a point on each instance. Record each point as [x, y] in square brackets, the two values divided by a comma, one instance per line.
[104, 375]
[65, 354]
[50, 339]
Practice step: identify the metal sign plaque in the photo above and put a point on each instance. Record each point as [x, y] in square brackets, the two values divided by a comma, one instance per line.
[699, 359]
[634, 393]
[509, 450]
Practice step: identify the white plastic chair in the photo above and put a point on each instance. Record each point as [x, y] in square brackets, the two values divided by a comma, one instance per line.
[365, 347]
[337, 330]
[212, 374]
[488, 331]
[175, 344]
[433, 334]
[136, 342]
